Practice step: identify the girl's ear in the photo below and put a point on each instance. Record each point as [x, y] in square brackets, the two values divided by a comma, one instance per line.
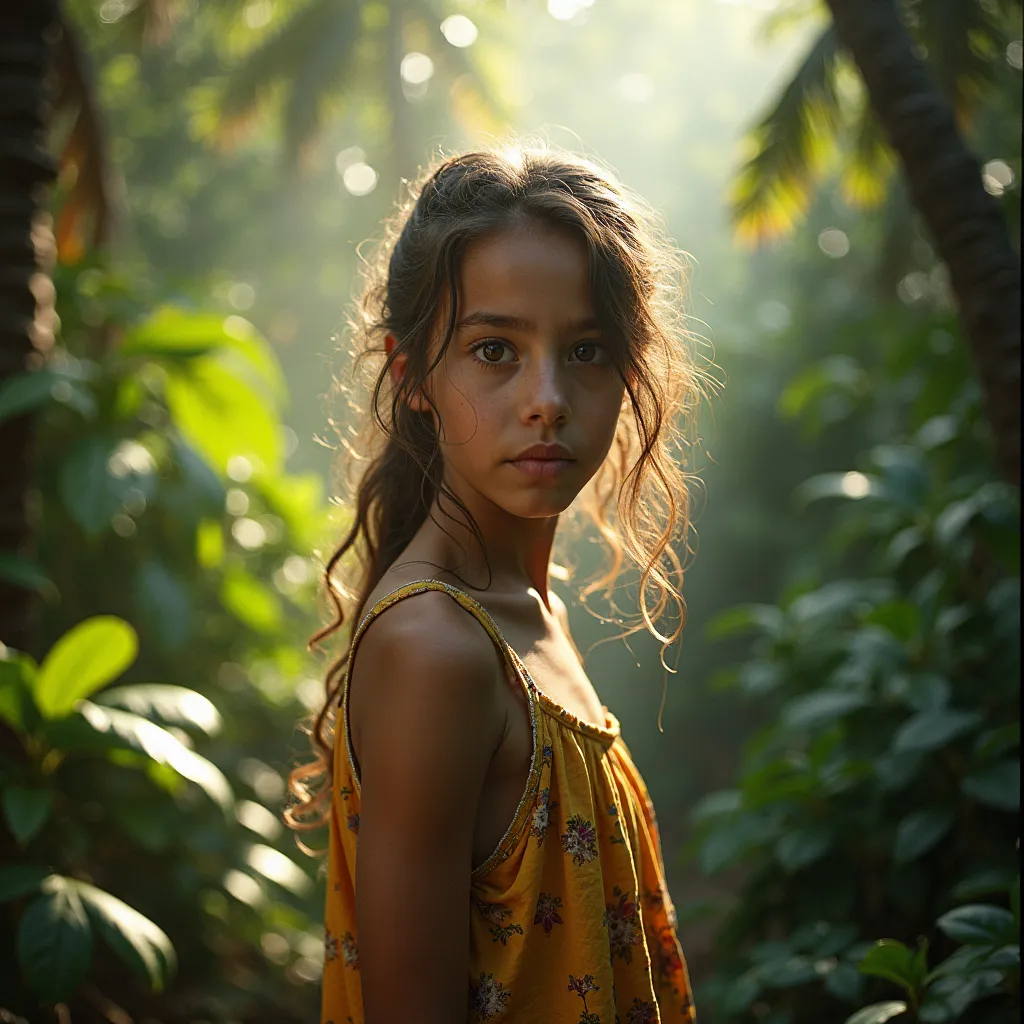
[416, 401]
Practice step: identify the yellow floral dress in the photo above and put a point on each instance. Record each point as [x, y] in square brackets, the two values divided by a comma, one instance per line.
[570, 918]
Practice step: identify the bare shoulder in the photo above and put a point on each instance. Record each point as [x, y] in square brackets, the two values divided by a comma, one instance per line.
[425, 658]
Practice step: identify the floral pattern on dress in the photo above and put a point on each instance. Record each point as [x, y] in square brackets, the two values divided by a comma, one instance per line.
[665, 958]
[496, 914]
[330, 945]
[489, 998]
[548, 906]
[352, 821]
[583, 986]
[579, 840]
[542, 815]
[618, 837]
[547, 754]
[622, 919]
[643, 1011]
[349, 951]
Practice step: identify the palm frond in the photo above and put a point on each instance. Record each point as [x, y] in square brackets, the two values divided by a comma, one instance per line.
[791, 147]
[310, 53]
[867, 171]
[85, 214]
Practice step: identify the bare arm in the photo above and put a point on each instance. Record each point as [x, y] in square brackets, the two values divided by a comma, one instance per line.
[425, 689]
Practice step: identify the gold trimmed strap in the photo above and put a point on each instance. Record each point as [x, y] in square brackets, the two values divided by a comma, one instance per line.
[475, 609]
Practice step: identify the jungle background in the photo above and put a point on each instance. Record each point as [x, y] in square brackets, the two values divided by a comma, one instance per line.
[837, 782]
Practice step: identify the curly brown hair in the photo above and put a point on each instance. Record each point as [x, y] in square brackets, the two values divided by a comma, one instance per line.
[639, 500]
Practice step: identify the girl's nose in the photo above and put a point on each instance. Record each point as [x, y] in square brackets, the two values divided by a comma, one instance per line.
[545, 397]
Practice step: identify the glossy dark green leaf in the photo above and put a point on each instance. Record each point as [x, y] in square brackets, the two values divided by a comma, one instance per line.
[982, 883]
[800, 847]
[17, 675]
[26, 810]
[979, 924]
[55, 942]
[934, 728]
[761, 618]
[892, 960]
[88, 489]
[900, 618]
[815, 710]
[164, 602]
[996, 785]
[20, 880]
[26, 574]
[135, 938]
[919, 832]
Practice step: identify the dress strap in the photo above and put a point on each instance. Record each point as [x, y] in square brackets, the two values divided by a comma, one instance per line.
[469, 604]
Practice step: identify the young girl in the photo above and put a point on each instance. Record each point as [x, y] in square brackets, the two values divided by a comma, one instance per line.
[493, 852]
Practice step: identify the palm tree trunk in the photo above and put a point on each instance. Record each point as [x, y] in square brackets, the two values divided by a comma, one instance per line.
[27, 32]
[944, 180]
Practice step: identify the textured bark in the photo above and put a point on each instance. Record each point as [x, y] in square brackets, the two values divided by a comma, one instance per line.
[944, 180]
[27, 31]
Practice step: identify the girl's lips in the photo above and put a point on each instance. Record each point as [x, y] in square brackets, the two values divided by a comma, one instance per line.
[542, 467]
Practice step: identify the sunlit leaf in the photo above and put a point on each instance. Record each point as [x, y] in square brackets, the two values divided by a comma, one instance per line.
[85, 658]
[251, 601]
[878, 1013]
[173, 705]
[275, 866]
[55, 941]
[792, 146]
[99, 728]
[221, 416]
[135, 939]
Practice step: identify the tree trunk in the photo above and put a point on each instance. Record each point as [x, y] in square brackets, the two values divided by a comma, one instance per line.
[944, 180]
[27, 32]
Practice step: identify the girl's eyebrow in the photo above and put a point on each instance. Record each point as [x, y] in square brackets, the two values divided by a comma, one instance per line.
[483, 318]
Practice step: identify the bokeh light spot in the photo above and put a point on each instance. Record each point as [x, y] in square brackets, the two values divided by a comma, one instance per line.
[834, 243]
[241, 295]
[856, 485]
[239, 468]
[997, 177]
[416, 68]
[359, 178]
[1015, 54]
[459, 30]
[248, 533]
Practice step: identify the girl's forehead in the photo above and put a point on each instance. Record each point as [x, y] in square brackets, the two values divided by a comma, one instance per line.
[531, 262]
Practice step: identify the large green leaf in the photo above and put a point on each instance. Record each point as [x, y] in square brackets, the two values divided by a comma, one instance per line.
[20, 879]
[17, 673]
[88, 489]
[175, 334]
[134, 937]
[220, 415]
[933, 728]
[173, 705]
[129, 731]
[878, 1013]
[55, 942]
[84, 659]
[251, 601]
[814, 710]
[165, 604]
[997, 785]
[26, 810]
[979, 924]
[919, 832]
[803, 846]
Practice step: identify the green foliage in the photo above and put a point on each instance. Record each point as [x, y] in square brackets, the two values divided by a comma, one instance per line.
[886, 786]
[165, 505]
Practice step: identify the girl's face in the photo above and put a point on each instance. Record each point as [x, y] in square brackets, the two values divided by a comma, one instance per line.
[526, 394]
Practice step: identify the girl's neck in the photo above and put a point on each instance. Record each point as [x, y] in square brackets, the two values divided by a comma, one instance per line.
[510, 553]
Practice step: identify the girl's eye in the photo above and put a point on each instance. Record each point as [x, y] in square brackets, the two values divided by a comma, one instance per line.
[588, 352]
[494, 353]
